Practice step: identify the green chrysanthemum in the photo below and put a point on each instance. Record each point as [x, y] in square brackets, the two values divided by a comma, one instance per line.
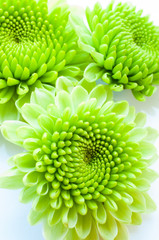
[36, 46]
[124, 47]
[86, 162]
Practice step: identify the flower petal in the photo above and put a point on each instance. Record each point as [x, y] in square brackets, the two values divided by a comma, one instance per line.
[122, 232]
[12, 179]
[9, 129]
[93, 72]
[43, 97]
[31, 112]
[79, 94]
[108, 230]
[100, 93]
[58, 230]
[83, 226]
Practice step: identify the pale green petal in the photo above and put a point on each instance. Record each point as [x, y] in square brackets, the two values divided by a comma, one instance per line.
[63, 100]
[150, 175]
[9, 129]
[72, 217]
[83, 226]
[93, 72]
[121, 108]
[100, 93]
[78, 95]
[123, 214]
[27, 194]
[12, 179]
[122, 232]
[150, 204]
[8, 111]
[31, 178]
[72, 235]
[136, 218]
[46, 123]
[25, 162]
[100, 214]
[64, 83]
[24, 132]
[140, 119]
[131, 115]
[42, 97]
[31, 112]
[147, 149]
[54, 216]
[59, 231]
[152, 134]
[139, 203]
[87, 85]
[34, 217]
[137, 134]
[109, 230]
[41, 203]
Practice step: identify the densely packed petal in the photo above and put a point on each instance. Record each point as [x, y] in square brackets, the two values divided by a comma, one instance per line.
[124, 47]
[36, 46]
[85, 164]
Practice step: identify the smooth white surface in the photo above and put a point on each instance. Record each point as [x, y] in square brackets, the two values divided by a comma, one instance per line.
[13, 215]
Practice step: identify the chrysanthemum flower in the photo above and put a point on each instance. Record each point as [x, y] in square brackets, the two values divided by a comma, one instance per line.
[124, 47]
[85, 167]
[36, 47]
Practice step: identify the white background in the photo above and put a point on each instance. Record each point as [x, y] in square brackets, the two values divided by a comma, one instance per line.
[13, 215]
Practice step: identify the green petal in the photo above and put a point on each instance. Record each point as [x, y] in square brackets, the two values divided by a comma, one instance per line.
[123, 214]
[152, 135]
[25, 162]
[59, 231]
[136, 218]
[122, 232]
[9, 129]
[27, 194]
[140, 119]
[93, 72]
[34, 217]
[72, 217]
[109, 230]
[31, 178]
[8, 111]
[83, 226]
[100, 214]
[63, 100]
[150, 204]
[12, 179]
[54, 216]
[100, 93]
[25, 132]
[31, 112]
[41, 203]
[121, 108]
[147, 149]
[78, 95]
[137, 134]
[43, 97]
[139, 203]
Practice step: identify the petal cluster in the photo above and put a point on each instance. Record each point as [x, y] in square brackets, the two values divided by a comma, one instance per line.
[85, 165]
[36, 46]
[124, 47]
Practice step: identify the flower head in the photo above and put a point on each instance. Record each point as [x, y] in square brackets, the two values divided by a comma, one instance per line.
[86, 162]
[36, 47]
[124, 47]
